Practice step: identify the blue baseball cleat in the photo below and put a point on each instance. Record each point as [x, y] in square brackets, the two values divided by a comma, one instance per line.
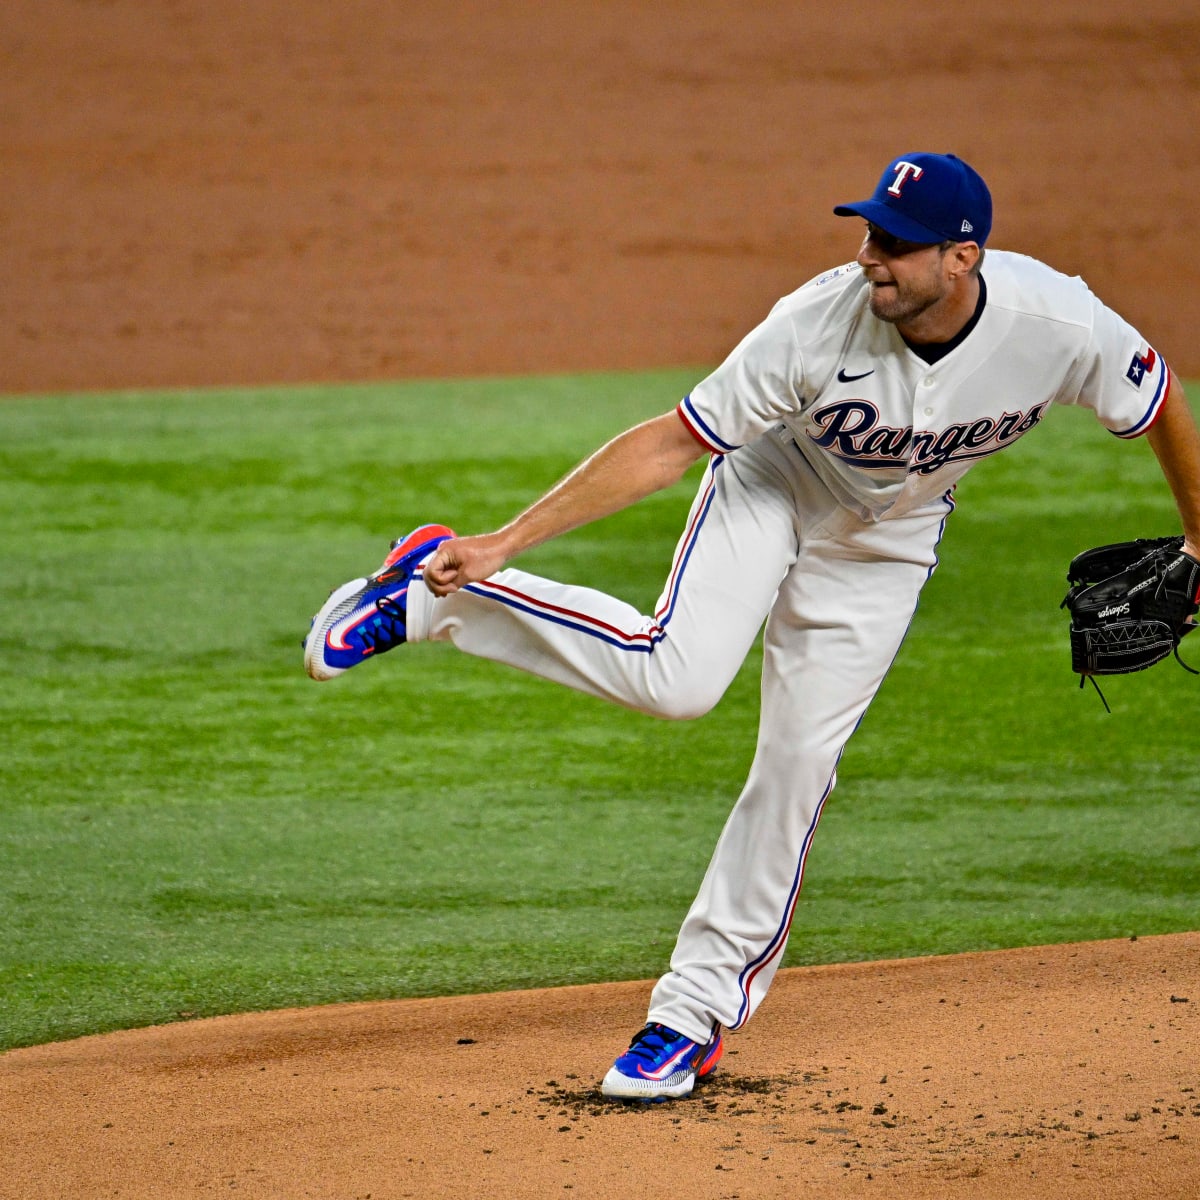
[365, 617]
[661, 1064]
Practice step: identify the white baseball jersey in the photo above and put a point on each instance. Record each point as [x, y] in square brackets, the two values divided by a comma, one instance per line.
[887, 431]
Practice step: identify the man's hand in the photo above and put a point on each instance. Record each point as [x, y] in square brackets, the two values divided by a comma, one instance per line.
[463, 560]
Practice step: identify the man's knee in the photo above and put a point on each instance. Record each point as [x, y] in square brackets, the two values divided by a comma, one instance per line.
[686, 703]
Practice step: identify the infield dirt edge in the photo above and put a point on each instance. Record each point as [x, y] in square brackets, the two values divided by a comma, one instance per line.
[1062, 1071]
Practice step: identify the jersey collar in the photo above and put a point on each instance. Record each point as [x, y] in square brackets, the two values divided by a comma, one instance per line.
[932, 352]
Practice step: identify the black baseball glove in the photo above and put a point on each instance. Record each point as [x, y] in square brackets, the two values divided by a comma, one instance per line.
[1130, 605]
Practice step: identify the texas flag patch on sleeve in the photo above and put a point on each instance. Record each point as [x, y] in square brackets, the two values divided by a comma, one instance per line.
[1146, 367]
[1141, 366]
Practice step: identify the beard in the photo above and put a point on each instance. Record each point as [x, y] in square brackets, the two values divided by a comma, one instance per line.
[896, 305]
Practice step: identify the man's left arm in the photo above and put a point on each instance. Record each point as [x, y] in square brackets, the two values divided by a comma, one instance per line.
[1175, 441]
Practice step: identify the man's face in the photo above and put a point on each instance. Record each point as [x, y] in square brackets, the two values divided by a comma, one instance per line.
[906, 278]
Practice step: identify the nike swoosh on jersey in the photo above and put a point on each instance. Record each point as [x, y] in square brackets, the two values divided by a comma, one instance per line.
[844, 378]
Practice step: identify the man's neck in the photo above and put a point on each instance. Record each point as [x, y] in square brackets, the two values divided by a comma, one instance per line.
[945, 320]
[933, 352]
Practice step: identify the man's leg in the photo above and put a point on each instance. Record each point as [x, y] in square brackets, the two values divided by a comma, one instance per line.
[738, 544]
[841, 615]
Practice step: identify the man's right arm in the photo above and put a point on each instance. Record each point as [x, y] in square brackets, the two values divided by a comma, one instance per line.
[637, 463]
[1175, 441]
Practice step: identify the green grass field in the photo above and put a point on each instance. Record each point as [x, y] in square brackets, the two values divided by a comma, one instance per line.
[189, 826]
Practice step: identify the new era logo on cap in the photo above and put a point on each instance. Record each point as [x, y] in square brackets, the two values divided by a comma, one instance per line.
[928, 198]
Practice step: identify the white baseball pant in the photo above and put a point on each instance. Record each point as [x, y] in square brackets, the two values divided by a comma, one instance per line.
[764, 540]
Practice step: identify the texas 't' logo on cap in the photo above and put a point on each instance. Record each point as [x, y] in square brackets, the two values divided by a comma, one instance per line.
[904, 171]
[928, 198]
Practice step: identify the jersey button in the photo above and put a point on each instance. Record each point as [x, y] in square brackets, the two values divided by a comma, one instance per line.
[929, 412]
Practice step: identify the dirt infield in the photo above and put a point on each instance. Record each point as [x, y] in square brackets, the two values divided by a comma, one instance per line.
[203, 193]
[1070, 1073]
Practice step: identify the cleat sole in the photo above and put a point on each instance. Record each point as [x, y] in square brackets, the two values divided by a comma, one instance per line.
[314, 664]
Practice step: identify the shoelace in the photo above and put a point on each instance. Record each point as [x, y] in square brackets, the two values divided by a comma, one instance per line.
[650, 1043]
[393, 629]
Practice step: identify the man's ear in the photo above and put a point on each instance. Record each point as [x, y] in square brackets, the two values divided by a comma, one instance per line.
[965, 255]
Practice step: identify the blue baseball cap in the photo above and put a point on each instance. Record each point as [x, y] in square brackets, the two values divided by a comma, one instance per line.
[928, 198]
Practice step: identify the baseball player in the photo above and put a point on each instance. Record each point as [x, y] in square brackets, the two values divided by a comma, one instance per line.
[835, 433]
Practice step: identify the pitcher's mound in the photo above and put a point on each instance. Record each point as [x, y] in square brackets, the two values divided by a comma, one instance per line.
[1059, 1072]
